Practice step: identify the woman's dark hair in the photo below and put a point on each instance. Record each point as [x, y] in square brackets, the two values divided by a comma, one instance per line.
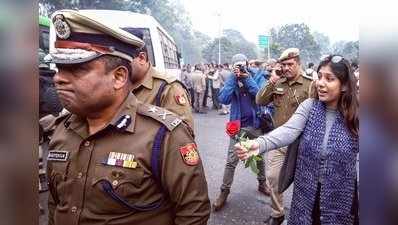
[348, 103]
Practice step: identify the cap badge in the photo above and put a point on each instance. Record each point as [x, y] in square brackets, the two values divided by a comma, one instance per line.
[62, 28]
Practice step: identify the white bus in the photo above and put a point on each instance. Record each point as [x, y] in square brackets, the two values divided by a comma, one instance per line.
[162, 50]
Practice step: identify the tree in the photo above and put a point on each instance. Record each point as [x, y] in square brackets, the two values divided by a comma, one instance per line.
[348, 49]
[323, 42]
[298, 36]
[170, 14]
[231, 43]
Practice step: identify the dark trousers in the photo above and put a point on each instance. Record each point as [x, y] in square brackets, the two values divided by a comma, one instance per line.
[192, 93]
[209, 86]
[214, 97]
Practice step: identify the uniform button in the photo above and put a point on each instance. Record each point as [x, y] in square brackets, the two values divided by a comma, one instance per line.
[80, 175]
[87, 143]
[321, 217]
[74, 209]
[115, 182]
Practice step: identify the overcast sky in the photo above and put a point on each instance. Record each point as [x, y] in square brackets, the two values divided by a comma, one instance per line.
[338, 19]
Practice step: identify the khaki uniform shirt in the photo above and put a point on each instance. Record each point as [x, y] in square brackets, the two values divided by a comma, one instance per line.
[198, 81]
[285, 95]
[174, 96]
[79, 164]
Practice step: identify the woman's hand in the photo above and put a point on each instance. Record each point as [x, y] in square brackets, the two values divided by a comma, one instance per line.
[246, 149]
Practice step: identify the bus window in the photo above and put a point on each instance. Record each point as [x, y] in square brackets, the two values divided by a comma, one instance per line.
[148, 42]
[169, 50]
[44, 39]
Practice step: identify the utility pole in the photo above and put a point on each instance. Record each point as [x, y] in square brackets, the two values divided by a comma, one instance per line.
[219, 37]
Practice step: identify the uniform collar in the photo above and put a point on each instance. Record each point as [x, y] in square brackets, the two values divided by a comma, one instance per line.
[128, 108]
[299, 79]
[148, 80]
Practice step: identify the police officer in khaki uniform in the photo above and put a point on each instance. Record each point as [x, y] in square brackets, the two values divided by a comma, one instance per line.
[286, 91]
[154, 87]
[160, 89]
[114, 159]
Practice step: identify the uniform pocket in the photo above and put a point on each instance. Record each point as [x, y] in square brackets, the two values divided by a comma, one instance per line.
[278, 99]
[58, 171]
[124, 180]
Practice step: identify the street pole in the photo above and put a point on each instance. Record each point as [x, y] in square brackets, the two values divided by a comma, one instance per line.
[219, 38]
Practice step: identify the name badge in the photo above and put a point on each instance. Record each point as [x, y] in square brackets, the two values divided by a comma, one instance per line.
[58, 156]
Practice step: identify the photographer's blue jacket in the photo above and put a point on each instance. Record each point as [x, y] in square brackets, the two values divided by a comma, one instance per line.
[229, 94]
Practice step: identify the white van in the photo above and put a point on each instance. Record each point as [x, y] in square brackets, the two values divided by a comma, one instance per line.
[162, 50]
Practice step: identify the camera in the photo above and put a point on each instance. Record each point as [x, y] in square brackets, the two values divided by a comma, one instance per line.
[278, 72]
[242, 68]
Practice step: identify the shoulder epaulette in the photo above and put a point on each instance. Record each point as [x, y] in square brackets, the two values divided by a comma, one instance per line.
[162, 115]
[49, 122]
[169, 78]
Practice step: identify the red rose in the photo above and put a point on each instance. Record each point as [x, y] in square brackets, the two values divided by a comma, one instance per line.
[233, 128]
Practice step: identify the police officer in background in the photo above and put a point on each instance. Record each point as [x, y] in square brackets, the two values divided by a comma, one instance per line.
[160, 89]
[114, 159]
[288, 86]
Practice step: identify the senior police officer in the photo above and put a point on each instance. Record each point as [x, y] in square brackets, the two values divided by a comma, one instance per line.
[287, 88]
[114, 159]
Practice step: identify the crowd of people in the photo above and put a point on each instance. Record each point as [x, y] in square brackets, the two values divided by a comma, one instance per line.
[320, 102]
[123, 151]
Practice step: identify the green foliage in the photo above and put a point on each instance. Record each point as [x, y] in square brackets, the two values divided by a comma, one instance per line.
[170, 14]
[231, 43]
[298, 36]
[348, 49]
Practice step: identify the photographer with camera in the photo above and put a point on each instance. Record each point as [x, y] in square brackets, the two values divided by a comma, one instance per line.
[288, 86]
[240, 90]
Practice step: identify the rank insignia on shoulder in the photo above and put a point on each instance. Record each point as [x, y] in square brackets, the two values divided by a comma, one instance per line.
[180, 99]
[189, 154]
[56, 155]
[176, 122]
[121, 160]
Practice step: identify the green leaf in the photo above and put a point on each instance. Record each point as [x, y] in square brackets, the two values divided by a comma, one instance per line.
[253, 166]
[247, 163]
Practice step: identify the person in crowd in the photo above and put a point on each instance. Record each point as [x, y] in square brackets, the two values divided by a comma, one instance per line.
[112, 158]
[209, 71]
[216, 83]
[271, 63]
[288, 86]
[199, 85]
[224, 74]
[259, 73]
[187, 81]
[311, 72]
[240, 91]
[325, 181]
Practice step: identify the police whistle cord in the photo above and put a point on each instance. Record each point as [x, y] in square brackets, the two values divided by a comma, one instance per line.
[107, 187]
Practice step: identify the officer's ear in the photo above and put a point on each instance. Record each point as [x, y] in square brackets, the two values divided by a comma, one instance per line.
[120, 77]
[142, 58]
